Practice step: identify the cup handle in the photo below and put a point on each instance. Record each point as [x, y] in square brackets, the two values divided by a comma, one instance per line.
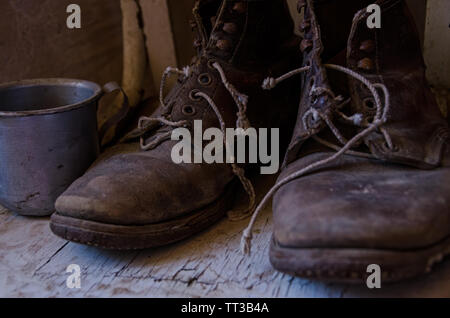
[120, 115]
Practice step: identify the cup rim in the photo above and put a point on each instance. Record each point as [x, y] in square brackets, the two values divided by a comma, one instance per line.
[96, 89]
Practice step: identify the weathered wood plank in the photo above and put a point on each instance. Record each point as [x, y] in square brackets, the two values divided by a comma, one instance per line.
[25, 246]
[159, 37]
[33, 263]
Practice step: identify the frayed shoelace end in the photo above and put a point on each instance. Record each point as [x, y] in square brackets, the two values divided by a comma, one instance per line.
[269, 83]
[187, 71]
[357, 119]
[243, 123]
[246, 242]
[246, 238]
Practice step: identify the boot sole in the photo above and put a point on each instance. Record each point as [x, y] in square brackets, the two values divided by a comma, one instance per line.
[349, 265]
[136, 237]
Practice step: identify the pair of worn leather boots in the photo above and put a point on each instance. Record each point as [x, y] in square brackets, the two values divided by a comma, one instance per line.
[365, 176]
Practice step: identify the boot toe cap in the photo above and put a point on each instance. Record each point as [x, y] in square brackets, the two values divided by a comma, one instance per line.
[138, 188]
[360, 203]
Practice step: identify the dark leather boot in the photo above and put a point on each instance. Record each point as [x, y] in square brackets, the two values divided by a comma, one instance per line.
[366, 180]
[135, 196]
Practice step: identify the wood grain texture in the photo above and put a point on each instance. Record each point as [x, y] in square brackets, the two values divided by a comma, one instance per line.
[33, 263]
[36, 43]
[437, 43]
[180, 14]
[159, 37]
[134, 71]
[135, 60]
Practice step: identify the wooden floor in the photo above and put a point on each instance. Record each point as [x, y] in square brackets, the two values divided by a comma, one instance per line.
[33, 263]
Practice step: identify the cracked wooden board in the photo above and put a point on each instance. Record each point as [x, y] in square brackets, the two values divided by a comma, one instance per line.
[33, 263]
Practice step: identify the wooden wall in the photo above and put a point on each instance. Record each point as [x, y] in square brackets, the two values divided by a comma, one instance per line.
[437, 42]
[36, 43]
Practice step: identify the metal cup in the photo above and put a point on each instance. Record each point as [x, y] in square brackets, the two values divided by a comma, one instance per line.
[48, 138]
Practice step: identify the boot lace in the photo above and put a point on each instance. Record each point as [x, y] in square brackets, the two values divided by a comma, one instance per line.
[147, 124]
[346, 146]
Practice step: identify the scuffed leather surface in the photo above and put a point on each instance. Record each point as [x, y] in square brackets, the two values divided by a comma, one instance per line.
[316, 76]
[415, 123]
[128, 186]
[353, 202]
[360, 203]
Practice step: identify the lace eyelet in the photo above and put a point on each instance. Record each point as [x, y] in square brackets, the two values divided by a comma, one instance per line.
[188, 110]
[369, 103]
[193, 97]
[204, 79]
[362, 87]
[210, 64]
[311, 123]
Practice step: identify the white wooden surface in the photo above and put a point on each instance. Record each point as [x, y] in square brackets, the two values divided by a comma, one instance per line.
[33, 263]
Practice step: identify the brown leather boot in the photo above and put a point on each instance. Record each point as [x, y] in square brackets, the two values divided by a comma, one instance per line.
[366, 179]
[135, 196]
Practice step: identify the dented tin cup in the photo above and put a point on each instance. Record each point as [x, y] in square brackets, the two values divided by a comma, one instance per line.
[48, 138]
